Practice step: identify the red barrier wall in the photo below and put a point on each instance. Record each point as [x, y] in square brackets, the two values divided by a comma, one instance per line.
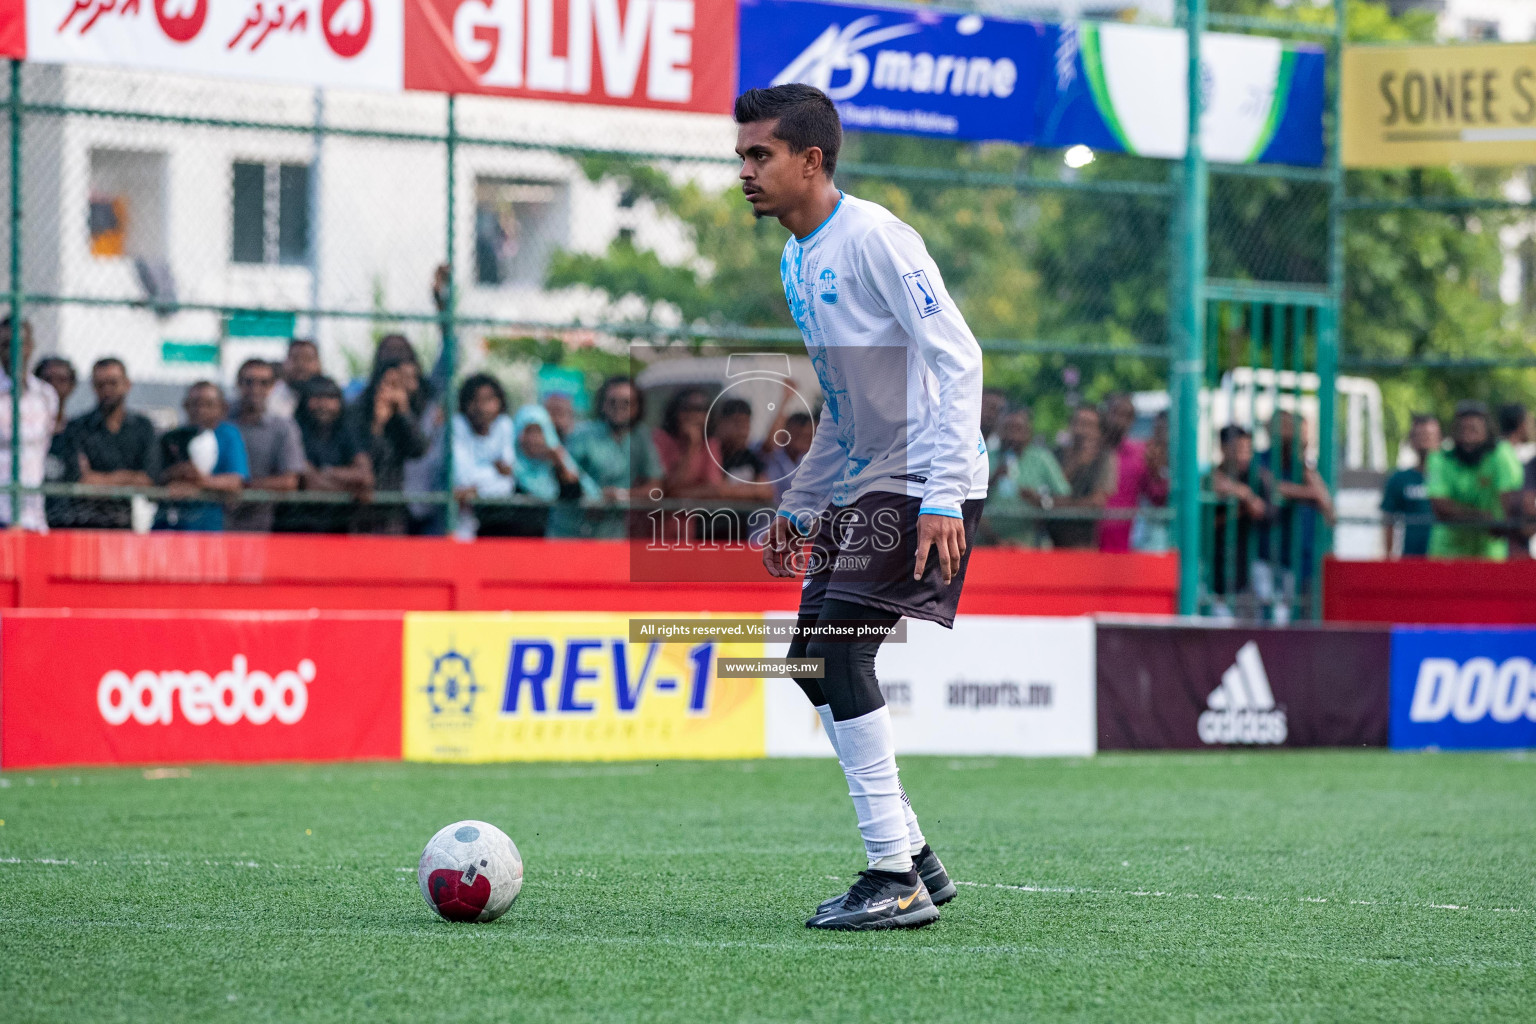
[108, 569]
[1418, 591]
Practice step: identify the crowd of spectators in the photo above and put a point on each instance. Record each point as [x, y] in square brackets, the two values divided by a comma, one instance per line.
[1470, 496]
[371, 461]
[1100, 488]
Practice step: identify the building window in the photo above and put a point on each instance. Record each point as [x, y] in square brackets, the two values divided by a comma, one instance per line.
[270, 213]
[1482, 31]
[518, 224]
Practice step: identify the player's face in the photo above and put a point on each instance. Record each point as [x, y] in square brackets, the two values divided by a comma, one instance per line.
[772, 178]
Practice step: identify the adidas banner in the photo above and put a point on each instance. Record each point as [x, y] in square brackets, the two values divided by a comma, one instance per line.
[1189, 687]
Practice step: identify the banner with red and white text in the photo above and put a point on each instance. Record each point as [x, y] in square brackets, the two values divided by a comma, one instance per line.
[337, 43]
[658, 54]
[146, 687]
[661, 54]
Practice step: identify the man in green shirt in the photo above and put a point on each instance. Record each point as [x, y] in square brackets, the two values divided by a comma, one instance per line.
[1024, 476]
[1474, 488]
[619, 458]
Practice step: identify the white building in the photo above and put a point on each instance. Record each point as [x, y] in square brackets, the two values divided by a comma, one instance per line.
[142, 210]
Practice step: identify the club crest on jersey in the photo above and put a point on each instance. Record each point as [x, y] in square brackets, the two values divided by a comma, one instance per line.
[826, 286]
[923, 296]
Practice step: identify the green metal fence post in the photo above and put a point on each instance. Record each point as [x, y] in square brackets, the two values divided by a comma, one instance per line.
[18, 371]
[1331, 316]
[1189, 365]
[450, 310]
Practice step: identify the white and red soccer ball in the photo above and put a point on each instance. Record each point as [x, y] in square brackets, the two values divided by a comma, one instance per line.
[470, 871]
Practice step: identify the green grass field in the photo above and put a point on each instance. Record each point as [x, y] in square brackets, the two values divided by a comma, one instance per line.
[1334, 886]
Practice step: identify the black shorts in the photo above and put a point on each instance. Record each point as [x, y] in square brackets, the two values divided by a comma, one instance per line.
[866, 553]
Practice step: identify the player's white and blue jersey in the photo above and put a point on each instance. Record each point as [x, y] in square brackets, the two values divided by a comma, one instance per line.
[898, 367]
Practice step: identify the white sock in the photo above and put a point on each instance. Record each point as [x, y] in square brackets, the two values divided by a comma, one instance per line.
[915, 840]
[867, 752]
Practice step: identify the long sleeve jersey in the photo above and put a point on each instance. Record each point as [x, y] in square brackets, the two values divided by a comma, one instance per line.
[899, 369]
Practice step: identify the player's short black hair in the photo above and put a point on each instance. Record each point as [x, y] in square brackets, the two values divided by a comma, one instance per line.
[805, 116]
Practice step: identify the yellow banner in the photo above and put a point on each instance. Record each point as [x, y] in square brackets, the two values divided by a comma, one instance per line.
[518, 686]
[1432, 105]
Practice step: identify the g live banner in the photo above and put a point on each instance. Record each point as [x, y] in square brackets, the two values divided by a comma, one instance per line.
[1435, 105]
[1110, 86]
[992, 685]
[341, 43]
[1176, 686]
[146, 687]
[569, 686]
[665, 54]
[1466, 689]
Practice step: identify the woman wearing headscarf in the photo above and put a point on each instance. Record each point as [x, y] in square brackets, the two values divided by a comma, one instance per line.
[543, 470]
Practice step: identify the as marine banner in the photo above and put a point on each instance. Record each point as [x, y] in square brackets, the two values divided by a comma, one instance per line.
[515, 686]
[1109, 86]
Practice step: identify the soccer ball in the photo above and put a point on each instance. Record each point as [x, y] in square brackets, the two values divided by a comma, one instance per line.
[470, 871]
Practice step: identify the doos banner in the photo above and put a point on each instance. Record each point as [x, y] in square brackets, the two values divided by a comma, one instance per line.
[1110, 86]
[145, 687]
[992, 685]
[518, 686]
[1467, 689]
[1187, 687]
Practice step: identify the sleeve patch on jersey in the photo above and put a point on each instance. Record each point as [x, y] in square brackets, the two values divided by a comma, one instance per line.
[923, 296]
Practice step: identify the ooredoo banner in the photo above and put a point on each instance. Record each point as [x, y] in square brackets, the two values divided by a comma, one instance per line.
[1184, 686]
[664, 54]
[518, 686]
[992, 685]
[1468, 689]
[141, 688]
[341, 43]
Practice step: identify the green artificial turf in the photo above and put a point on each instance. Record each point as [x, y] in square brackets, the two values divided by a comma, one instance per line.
[1329, 886]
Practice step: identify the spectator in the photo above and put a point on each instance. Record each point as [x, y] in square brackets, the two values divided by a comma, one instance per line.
[617, 457]
[108, 446]
[1406, 494]
[483, 455]
[1152, 533]
[1131, 479]
[383, 421]
[1516, 429]
[691, 471]
[205, 458]
[993, 405]
[1091, 471]
[301, 366]
[543, 470]
[1246, 495]
[1304, 499]
[272, 445]
[336, 461]
[786, 446]
[39, 418]
[1023, 475]
[424, 404]
[742, 464]
[1474, 488]
[562, 413]
[59, 372]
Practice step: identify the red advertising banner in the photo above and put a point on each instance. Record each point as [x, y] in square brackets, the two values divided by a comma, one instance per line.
[661, 54]
[13, 28]
[141, 687]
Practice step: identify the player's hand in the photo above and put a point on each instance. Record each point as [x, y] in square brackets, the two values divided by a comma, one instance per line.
[946, 536]
[780, 540]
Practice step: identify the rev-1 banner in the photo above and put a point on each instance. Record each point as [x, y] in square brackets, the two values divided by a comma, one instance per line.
[1109, 86]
